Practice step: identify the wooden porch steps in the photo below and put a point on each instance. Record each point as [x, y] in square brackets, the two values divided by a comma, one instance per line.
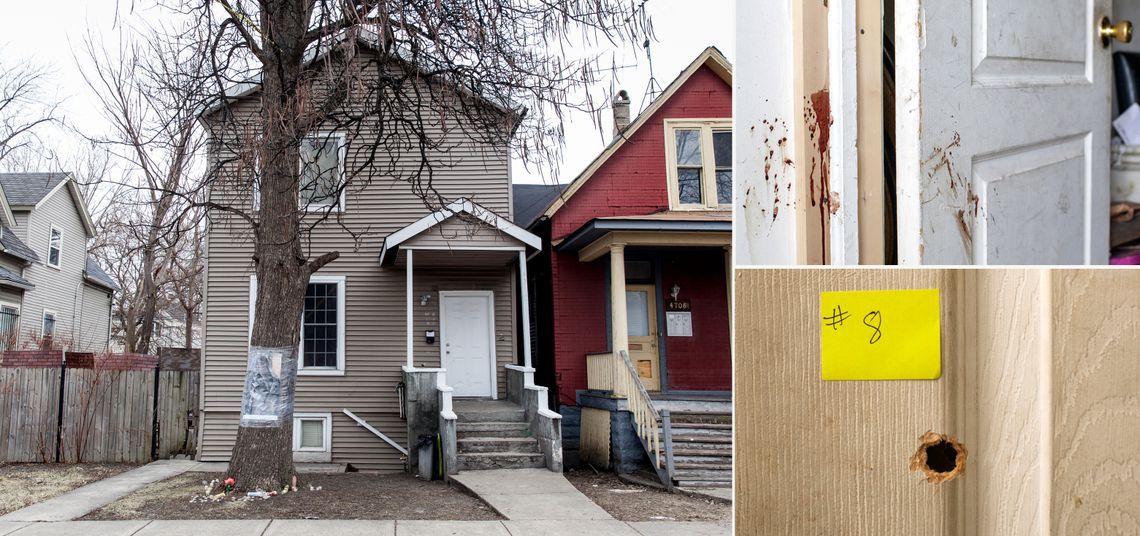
[702, 449]
[494, 435]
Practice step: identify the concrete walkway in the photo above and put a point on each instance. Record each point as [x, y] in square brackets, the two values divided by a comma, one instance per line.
[299, 527]
[80, 501]
[530, 494]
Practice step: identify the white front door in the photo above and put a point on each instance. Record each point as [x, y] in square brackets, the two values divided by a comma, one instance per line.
[466, 327]
[1003, 110]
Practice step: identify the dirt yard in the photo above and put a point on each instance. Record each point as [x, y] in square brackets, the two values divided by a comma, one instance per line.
[341, 496]
[630, 502]
[24, 484]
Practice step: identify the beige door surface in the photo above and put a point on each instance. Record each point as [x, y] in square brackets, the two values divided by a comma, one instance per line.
[1003, 110]
[1039, 384]
[641, 319]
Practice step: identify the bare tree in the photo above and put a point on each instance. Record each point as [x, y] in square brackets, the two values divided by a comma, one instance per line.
[24, 106]
[397, 79]
[149, 92]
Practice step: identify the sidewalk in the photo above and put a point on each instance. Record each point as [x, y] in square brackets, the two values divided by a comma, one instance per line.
[80, 501]
[530, 494]
[305, 527]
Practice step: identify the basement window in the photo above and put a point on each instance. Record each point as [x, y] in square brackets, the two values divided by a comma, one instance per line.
[312, 437]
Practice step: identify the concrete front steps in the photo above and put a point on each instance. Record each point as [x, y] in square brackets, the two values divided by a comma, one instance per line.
[702, 449]
[494, 434]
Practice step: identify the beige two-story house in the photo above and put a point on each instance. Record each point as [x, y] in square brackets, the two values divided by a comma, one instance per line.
[52, 293]
[414, 292]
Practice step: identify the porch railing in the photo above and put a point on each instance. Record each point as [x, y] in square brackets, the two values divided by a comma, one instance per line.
[627, 383]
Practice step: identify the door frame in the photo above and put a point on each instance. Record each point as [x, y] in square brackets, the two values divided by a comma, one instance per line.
[490, 295]
[654, 324]
[789, 63]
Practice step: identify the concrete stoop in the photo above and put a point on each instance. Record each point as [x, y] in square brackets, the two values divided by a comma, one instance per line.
[494, 434]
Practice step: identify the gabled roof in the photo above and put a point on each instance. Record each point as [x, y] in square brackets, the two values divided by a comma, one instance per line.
[529, 200]
[12, 245]
[462, 205]
[94, 273]
[29, 191]
[711, 58]
[364, 36]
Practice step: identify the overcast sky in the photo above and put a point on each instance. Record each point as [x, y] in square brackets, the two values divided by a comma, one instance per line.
[683, 29]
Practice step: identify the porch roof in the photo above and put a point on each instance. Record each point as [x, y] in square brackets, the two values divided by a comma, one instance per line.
[671, 228]
[493, 234]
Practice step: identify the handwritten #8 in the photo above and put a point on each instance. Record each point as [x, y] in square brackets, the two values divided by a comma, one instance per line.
[873, 320]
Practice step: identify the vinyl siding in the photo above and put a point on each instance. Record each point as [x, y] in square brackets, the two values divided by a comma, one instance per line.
[94, 328]
[469, 234]
[375, 303]
[57, 289]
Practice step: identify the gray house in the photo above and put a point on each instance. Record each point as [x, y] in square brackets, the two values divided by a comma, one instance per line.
[51, 291]
[411, 331]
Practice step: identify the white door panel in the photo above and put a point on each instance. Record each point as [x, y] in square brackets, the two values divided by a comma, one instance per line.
[1003, 129]
[466, 343]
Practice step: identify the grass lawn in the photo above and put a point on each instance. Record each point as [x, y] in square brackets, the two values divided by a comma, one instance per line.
[342, 496]
[23, 484]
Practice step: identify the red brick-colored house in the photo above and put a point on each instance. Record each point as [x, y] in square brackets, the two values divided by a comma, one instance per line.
[631, 307]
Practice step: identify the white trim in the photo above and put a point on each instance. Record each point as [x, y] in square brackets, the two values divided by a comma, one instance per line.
[342, 291]
[464, 248]
[409, 320]
[342, 297]
[54, 319]
[460, 205]
[706, 128]
[339, 204]
[52, 192]
[76, 197]
[525, 301]
[844, 153]
[760, 234]
[304, 454]
[52, 229]
[490, 295]
[16, 325]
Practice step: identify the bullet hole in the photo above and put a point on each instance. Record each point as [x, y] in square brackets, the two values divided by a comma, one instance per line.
[939, 457]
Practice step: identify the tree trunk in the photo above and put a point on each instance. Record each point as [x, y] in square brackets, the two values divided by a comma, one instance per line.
[263, 457]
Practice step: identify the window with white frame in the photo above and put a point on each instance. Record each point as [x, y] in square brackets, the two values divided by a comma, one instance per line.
[47, 327]
[9, 325]
[321, 350]
[55, 247]
[312, 436]
[322, 172]
[699, 163]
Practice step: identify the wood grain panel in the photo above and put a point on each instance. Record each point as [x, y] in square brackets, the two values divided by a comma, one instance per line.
[818, 457]
[1039, 382]
[1096, 402]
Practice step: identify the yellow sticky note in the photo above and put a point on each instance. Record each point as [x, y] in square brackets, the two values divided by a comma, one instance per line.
[880, 335]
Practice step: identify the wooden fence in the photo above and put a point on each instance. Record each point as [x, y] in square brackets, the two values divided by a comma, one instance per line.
[108, 411]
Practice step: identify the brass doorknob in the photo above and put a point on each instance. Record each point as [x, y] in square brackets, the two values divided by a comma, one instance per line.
[1121, 31]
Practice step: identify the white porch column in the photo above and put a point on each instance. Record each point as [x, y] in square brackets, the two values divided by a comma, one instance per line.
[408, 275]
[619, 328]
[525, 298]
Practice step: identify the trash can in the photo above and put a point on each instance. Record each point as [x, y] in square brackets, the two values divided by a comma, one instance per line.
[425, 447]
